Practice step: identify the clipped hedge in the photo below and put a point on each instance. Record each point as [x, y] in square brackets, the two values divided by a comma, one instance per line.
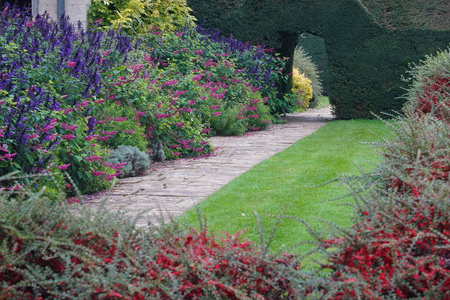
[366, 60]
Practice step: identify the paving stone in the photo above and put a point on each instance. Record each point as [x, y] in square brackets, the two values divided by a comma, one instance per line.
[172, 187]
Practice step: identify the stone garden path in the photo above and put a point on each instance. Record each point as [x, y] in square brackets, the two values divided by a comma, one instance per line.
[172, 187]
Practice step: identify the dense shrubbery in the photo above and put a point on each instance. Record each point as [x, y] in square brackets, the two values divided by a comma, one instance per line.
[301, 86]
[68, 96]
[51, 253]
[50, 77]
[399, 246]
[140, 16]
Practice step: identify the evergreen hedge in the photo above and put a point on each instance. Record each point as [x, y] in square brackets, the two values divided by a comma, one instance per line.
[366, 60]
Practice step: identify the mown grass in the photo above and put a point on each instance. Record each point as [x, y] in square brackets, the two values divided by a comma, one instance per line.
[287, 183]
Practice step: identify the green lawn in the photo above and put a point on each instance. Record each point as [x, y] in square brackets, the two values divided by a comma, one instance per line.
[283, 183]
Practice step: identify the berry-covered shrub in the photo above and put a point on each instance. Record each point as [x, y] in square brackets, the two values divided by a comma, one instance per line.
[51, 252]
[399, 245]
[302, 88]
[430, 87]
[132, 161]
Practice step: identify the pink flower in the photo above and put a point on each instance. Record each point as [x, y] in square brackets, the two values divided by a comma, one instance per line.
[214, 107]
[98, 21]
[93, 158]
[67, 110]
[98, 173]
[8, 156]
[198, 52]
[68, 136]
[73, 200]
[68, 127]
[216, 113]
[176, 154]
[91, 137]
[63, 167]
[71, 64]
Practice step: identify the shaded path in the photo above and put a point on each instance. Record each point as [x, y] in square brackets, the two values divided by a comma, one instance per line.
[173, 187]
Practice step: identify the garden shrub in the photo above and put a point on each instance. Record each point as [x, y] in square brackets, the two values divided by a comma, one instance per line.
[49, 251]
[133, 162]
[69, 95]
[301, 86]
[399, 245]
[141, 16]
[429, 92]
[50, 77]
[305, 65]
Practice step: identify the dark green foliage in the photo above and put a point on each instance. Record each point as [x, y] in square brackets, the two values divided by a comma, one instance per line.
[134, 162]
[315, 47]
[405, 14]
[366, 60]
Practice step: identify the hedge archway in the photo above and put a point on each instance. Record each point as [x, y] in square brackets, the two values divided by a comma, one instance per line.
[367, 61]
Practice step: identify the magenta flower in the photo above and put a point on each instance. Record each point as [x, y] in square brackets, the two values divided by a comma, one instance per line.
[216, 113]
[8, 156]
[68, 127]
[214, 107]
[68, 136]
[63, 167]
[71, 64]
[93, 158]
[91, 137]
[98, 173]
